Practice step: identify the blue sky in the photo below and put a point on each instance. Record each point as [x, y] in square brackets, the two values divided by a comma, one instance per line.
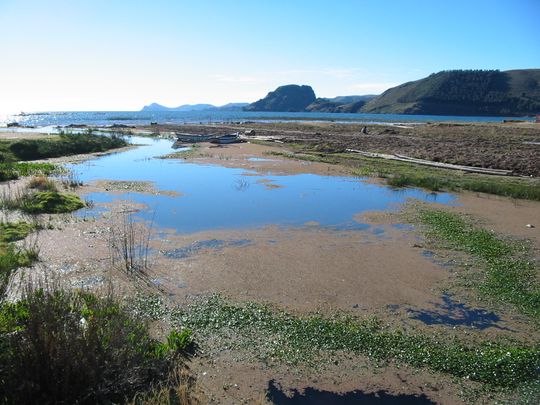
[120, 55]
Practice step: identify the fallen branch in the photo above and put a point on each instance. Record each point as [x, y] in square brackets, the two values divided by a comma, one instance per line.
[402, 158]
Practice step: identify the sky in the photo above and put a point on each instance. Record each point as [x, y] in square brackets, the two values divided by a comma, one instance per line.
[96, 55]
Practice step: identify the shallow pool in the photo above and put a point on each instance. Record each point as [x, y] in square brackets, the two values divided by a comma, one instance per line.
[216, 197]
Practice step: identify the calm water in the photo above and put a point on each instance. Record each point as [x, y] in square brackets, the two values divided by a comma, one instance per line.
[178, 117]
[215, 197]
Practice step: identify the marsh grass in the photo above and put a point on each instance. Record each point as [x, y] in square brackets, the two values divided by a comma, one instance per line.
[508, 273]
[12, 171]
[178, 389]
[41, 202]
[14, 231]
[129, 245]
[74, 347]
[42, 183]
[13, 256]
[293, 339]
[64, 144]
[401, 174]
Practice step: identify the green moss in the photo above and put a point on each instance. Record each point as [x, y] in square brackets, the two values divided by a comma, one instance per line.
[12, 231]
[51, 202]
[509, 275]
[274, 334]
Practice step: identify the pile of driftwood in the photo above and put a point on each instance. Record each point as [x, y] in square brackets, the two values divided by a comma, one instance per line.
[402, 158]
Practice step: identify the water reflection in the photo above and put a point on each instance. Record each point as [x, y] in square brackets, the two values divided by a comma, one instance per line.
[211, 198]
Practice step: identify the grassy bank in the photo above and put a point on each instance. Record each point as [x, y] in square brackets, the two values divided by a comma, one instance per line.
[274, 334]
[12, 171]
[508, 274]
[400, 174]
[73, 347]
[61, 145]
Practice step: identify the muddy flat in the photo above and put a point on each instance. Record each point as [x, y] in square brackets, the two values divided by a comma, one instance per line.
[363, 262]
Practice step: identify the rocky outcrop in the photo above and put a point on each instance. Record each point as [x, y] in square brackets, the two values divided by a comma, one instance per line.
[289, 98]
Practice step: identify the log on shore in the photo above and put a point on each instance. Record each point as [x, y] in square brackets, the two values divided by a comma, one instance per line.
[403, 158]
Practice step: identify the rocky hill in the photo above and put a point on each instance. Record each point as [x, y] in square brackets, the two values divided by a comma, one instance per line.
[289, 98]
[464, 92]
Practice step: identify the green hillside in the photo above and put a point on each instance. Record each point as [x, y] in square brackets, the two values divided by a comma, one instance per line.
[464, 92]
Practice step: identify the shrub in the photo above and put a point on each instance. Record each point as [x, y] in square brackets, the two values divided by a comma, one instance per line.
[50, 202]
[73, 347]
[42, 183]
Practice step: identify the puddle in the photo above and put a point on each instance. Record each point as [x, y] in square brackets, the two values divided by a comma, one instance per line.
[312, 396]
[258, 159]
[215, 197]
[454, 313]
[195, 247]
[434, 258]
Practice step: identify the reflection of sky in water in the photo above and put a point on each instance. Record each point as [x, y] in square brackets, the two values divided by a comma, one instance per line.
[218, 197]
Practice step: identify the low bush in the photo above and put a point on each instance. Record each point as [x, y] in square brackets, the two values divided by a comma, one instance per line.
[42, 183]
[73, 347]
[50, 202]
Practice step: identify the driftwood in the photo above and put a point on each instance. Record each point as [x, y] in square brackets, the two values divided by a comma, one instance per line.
[402, 158]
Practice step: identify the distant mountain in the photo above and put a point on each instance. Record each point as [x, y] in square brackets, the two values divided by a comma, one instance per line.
[233, 106]
[289, 98]
[464, 92]
[341, 104]
[194, 107]
[352, 99]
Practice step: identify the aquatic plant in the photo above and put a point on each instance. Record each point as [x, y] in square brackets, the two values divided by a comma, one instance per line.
[279, 335]
[509, 274]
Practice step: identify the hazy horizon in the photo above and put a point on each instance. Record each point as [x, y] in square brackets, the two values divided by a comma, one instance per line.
[121, 56]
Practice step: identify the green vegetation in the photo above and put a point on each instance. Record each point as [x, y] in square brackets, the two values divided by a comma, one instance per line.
[509, 274]
[12, 171]
[12, 257]
[274, 334]
[401, 174]
[13, 231]
[73, 347]
[464, 92]
[43, 202]
[63, 145]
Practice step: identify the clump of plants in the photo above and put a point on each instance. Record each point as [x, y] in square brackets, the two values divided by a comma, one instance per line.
[42, 202]
[13, 231]
[275, 334]
[12, 256]
[64, 145]
[509, 274]
[42, 183]
[12, 171]
[73, 347]
[51, 202]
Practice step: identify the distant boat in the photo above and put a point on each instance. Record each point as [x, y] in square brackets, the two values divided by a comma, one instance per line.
[224, 139]
[193, 138]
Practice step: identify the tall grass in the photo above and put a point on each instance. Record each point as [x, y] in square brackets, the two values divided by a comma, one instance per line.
[74, 347]
[129, 245]
[63, 145]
